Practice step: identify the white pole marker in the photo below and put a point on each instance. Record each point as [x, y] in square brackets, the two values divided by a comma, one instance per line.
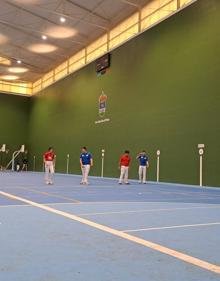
[158, 165]
[103, 159]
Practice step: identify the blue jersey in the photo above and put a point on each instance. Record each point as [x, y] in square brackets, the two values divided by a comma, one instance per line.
[86, 158]
[143, 159]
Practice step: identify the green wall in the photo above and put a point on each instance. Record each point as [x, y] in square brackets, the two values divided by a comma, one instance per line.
[14, 113]
[163, 92]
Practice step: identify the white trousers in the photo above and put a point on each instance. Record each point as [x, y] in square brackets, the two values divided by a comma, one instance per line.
[142, 173]
[49, 171]
[85, 172]
[124, 174]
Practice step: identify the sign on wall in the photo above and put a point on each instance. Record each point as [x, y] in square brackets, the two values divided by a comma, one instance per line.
[102, 108]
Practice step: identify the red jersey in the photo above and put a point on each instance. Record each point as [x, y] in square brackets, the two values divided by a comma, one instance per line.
[49, 156]
[125, 160]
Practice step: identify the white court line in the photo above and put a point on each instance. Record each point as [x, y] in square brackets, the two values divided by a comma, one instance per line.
[146, 210]
[115, 212]
[81, 203]
[171, 227]
[184, 185]
[8, 206]
[74, 204]
[162, 249]
[103, 202]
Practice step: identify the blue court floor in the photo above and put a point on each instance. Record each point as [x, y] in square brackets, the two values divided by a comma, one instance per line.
[107, 232]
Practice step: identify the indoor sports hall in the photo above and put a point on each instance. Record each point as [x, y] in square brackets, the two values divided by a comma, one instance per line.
[109, 143]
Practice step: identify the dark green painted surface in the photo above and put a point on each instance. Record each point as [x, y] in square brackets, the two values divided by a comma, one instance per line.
[163, 92]
[14, 113]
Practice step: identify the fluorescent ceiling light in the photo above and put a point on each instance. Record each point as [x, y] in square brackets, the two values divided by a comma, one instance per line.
[62, 19]
[18, 69]
[44, 37]
[9, 77]
[42, 48]
[61, 32]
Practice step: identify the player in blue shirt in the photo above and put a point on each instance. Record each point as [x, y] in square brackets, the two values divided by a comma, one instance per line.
[143, 165]
[86, 162]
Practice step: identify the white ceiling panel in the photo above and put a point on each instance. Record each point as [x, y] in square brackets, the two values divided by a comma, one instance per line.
[23, 22]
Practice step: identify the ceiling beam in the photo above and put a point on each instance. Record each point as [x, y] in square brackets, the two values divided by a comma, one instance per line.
[19, 47]
[24, 30]
[19, 7]
[72, 17]
[55, 13]
[13, 59]
[92, 12]
[130, 3]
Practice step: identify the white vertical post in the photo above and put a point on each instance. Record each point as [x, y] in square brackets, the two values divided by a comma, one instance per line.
[67, 163]
[201, 153]
[103, 158]
[200, 170]
[158, 165]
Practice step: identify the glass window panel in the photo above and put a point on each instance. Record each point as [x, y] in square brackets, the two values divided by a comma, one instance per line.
[123, 36]
[60, 74]
[77, 65]
[159, 14]
[18, 88]
[62, 67]
[124, 26]
[97, 53]
[100, 43]
[184, 2]
[78, 56]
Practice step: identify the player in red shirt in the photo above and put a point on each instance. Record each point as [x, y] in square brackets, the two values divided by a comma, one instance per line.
[49, 162]
[124, 163]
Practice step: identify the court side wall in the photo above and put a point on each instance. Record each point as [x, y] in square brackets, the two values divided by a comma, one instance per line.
[163, 93]
[14, 114]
